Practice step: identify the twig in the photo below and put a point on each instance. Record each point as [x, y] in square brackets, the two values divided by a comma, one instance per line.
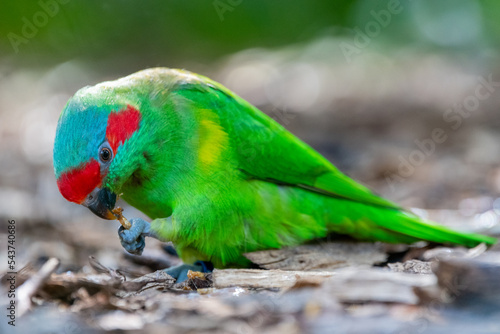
[32, 285]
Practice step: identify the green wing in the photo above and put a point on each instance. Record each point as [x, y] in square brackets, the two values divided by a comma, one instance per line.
[265, 150]
[269, 152]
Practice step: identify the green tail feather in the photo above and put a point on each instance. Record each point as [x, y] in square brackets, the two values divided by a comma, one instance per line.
[414, 227]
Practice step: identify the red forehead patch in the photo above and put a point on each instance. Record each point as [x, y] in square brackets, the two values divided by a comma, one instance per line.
[77, 183]
[121, 125]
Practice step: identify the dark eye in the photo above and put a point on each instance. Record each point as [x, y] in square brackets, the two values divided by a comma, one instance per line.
[105, 154]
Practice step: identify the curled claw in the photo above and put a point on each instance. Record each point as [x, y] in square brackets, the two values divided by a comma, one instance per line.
[133, 239]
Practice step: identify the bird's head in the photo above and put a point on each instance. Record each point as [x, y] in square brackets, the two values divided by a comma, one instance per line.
[93, 136]
[118, 136]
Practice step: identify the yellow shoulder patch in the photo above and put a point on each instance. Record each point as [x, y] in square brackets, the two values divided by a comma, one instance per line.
[213, 139]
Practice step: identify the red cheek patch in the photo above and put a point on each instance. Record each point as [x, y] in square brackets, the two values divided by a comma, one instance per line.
[77, 183]
[121, 125]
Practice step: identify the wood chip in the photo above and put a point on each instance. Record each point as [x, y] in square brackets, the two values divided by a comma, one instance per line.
[471, 280]
[256, 278]
[158, 279]
[354, 285]
[324, 256]
[411, 267]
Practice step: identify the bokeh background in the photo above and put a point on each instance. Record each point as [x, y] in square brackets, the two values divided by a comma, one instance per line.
[365, 82]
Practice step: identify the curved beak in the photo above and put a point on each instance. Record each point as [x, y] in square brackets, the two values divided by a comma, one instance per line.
[101, 202]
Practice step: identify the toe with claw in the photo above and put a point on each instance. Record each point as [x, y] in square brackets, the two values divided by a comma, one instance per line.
[133, 239]
[180, 272]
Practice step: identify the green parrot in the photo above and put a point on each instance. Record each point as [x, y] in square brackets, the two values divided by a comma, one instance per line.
[217, 177]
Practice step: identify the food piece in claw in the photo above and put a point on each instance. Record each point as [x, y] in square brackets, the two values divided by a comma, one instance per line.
[118, 213]
[195, 274]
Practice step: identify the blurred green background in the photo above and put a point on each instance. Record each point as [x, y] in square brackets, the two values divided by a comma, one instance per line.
[360, 81]
[116, 34]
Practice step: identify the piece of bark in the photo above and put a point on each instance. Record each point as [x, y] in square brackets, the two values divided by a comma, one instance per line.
[108, 280]
[354, 285]
[62, 286]
[83, 301]
[444, 252]
[411, 267]
[256, 278]
[429, 295]
[347, 285]
[320, 257]
[471, 281]
[447, 252]
[158, 279]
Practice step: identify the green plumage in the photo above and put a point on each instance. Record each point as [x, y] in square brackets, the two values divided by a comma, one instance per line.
[220, 178]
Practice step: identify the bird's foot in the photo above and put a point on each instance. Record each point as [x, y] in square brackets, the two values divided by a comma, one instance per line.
[134, 239]
[180, 272]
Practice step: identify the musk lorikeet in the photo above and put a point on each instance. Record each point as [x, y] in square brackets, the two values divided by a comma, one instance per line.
[217, 176]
